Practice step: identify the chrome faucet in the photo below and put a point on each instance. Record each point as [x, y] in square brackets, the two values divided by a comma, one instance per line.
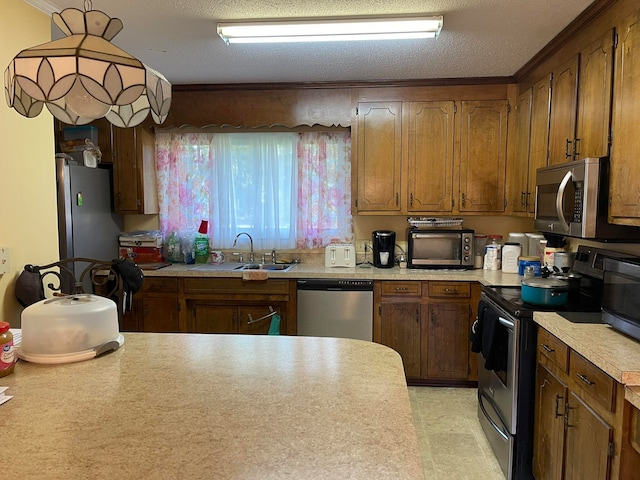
[251, 258]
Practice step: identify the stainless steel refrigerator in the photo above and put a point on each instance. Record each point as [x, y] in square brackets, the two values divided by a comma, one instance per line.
[87, 226]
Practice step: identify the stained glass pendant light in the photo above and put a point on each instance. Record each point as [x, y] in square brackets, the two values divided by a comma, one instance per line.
[83, 76]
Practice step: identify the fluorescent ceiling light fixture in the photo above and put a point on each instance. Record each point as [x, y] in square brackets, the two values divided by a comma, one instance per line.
[330, 30]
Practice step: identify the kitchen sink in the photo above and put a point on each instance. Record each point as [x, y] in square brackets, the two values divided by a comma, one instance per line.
[232, 266]
[220, 267]
[273, 267]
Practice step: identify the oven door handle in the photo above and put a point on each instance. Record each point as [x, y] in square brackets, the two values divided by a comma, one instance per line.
[507, 323]
[495, 426]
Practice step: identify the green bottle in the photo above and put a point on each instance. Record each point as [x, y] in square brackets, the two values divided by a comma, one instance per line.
[201, 243]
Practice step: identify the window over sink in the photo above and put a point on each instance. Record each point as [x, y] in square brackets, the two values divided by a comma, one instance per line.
[286, 189]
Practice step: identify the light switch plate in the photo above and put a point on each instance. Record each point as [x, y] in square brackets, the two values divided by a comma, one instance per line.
[5, 264]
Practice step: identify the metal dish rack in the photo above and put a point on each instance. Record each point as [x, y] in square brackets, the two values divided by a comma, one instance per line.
[432, 222]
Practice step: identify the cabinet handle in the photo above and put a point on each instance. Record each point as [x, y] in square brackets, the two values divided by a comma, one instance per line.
[576, 151]
[566, 416]
[585, 379]
[411, 199]
[527, 199]
[397, 199]
[452, 291]
[250, 319]
[566, 148]
[463, 199]
[418, 316]
[523, 198]
[401, 289]
[547, 348]
[558, 398]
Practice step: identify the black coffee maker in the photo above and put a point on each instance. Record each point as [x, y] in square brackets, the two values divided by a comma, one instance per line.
[384, 242]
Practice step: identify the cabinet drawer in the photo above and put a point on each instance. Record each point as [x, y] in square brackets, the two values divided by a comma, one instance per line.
[235, 285]
[160, 284]
[593, 380]
[409, 289]
[450, 289]
[553, 349]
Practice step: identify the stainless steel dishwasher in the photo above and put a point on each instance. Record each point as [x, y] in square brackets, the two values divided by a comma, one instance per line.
[335, 308]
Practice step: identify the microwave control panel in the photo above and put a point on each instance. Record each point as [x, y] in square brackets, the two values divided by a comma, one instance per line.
[577, 203]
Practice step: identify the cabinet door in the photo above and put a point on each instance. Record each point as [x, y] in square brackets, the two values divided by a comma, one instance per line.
[160, 314]
[256, 319]
[519, 167]
[539, 142]
[447, 334]
[379, 150]
[483, 149]
[548, 438]
[215, 318]
[125, 171]
[430, 157]
[400, 330]
[134, 175]
[594, 98]
[562, 124]
[587, 443]
[625, 167]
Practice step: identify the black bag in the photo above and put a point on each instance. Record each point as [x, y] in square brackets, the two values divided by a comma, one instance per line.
[29, 288]
[132, 280]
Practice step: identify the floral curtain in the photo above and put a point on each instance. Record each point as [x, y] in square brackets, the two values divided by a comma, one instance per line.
[324, 189]
[288, 190]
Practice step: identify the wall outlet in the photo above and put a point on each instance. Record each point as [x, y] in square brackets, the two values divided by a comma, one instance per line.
[5, 264]
[360, 246]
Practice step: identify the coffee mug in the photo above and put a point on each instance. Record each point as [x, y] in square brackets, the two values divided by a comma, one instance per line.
[217, 257]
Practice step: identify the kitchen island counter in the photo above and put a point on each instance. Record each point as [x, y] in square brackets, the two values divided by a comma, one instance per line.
[214, 406]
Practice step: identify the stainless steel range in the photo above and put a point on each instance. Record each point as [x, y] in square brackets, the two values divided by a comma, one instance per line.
[505, 339]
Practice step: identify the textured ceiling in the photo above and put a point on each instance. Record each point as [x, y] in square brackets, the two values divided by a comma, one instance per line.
[480, 38]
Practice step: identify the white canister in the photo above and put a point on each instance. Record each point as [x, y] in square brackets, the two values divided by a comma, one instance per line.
[510, 253]
[522, 239]
[535, 248]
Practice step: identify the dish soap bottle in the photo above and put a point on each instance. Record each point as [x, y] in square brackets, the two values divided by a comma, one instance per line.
[173, 247]
[201, 243]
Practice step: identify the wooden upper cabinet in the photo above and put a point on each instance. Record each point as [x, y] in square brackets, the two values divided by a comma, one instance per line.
[624, 186]
[483, 149]
[539, 140]
[594, 98]
[430, 156]
[562, 124]
[134, 170]
[518, 168]
[379, 156]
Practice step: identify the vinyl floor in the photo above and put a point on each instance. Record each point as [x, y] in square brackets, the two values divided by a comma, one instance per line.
[451, 441]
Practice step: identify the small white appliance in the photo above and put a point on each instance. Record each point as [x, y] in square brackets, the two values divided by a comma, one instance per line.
[340, 255]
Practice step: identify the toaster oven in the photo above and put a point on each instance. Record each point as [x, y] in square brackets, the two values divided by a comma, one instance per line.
[440, 248]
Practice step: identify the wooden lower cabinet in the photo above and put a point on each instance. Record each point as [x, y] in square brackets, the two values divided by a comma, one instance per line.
[400, 329]
[246, 319]
[212, 305]
[578, 416]
[428, 324]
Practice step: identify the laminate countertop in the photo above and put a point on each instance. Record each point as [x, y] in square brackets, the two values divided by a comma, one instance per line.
[214, 406]
[309, 270]
[613, 352]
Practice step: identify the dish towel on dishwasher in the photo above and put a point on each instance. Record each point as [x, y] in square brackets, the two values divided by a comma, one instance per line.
[274, 328]
[489, 339]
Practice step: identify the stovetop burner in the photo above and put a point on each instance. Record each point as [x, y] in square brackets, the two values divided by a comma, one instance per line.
[581, 308]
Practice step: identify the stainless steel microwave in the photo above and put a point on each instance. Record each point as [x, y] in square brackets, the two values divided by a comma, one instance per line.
[621, 295]
[572, 200]
[439, 248]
